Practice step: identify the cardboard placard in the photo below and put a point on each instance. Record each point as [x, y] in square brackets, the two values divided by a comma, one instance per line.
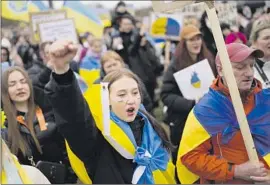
[45, 16]
[166, 26]
[227, 12]
[194, 81]
[58, 30]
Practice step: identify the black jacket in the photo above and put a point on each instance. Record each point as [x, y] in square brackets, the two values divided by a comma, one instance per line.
[178, 106]
[145, 63]
[259, 67]
[39, 81]
[131, 43]
[208, 35]
[48, 141]
[40, 76]
[73, 117]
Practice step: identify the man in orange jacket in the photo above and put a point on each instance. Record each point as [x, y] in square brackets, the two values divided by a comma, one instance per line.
[222, 158]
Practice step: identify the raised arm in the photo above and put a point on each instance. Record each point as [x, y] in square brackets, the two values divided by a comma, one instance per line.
[72, 114]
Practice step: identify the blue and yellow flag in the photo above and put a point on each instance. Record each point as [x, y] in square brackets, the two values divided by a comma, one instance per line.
[104, 14]
[18, 10]
[213, 115]
[160, 169]
[85, 20]
[11, 170]
[89, 76]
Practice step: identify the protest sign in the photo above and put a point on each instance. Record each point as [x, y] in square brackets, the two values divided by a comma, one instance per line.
[166, 26]
[227, 12]
[45, 16]
[58, 30]
[194, 81]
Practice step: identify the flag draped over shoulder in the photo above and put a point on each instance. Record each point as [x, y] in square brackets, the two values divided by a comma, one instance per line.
[89, 76]
[85, 19]
[18, 10]
[160, 169]
[215, 115]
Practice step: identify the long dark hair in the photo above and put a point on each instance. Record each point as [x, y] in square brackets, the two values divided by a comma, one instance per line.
[15, 138]
[182, 59]
[8, 54]
[118, 74]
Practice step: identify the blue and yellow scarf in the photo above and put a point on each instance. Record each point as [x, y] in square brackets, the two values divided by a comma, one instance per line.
[154, 164]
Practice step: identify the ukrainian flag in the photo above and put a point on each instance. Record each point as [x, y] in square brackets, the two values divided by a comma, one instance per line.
[215, 114]
[114, 134]
[89, 76]
[18, 10]
[84, 18]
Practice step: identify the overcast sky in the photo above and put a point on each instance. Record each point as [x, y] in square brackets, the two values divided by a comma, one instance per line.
[110, 4]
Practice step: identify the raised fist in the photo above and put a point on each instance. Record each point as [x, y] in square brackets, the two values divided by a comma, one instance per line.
[61, 54]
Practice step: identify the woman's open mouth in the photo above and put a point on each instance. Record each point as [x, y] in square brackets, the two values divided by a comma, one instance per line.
[131, 111]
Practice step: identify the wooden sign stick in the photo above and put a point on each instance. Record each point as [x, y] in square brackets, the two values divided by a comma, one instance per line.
[231, 82]
[167, 54]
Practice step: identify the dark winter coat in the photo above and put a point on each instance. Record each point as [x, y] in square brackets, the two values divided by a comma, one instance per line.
[131, 43]
[74, 120]
[47, 139]
[178, 107]
[208, 36]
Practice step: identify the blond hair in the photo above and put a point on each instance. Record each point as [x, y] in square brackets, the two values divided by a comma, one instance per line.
[258, 26]
[94, 40]
[108, 55]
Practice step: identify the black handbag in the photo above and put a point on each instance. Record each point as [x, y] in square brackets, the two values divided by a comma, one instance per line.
[55, 172]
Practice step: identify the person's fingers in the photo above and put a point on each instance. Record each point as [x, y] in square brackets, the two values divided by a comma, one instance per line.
[69, 42]
[260, 179]
[260, 165]
[65, 43]
[72, 47]
[64, 51]
[264, 170]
